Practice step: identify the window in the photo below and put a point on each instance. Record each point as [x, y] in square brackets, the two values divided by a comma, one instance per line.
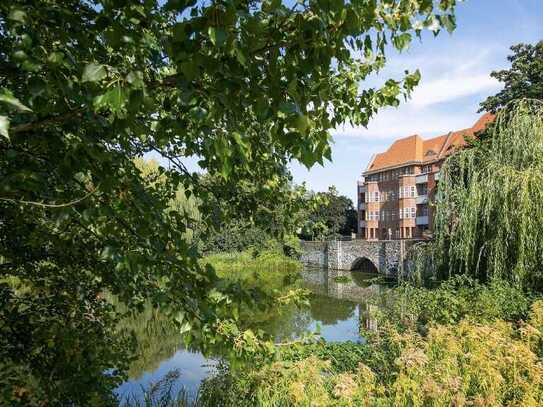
[424, 210]
[406, 213]
[426, 169]
[413, 212]
[376, 196]
[413, 191]
[400, 193]
[400, 216]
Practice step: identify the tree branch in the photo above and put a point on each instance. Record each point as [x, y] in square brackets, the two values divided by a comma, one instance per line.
[37, 124]
[44, 205]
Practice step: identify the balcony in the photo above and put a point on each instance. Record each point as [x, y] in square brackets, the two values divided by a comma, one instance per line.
[422, 220]
[362, 206]
[362, 188]
[422, 199]
[362, 223]
[421, 179]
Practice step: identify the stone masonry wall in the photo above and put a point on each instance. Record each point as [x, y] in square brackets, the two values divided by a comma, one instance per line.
[387, 255]
[314, 253]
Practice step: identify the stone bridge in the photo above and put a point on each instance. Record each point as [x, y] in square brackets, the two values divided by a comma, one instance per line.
[387, 257]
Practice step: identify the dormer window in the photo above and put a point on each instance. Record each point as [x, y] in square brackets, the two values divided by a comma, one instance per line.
[430, 152]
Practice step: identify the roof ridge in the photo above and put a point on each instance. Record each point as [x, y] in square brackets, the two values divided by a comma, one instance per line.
[449, 134]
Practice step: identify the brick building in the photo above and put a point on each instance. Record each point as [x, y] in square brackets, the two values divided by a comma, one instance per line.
[398, 185]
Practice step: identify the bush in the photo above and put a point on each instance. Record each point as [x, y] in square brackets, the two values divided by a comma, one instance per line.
[414, 308]
[468, 363]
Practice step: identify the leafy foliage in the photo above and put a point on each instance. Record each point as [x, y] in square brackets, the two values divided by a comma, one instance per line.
[415, 308]
[478, 360]
[523, 80]
[490, 210]
[87, 86]
[329, 216]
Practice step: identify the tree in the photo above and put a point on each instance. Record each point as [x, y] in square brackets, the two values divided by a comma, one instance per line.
[330, 215]
[523, 80]
[87, 86]
[490, 213]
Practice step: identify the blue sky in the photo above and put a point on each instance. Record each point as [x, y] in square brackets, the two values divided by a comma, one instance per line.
[455, 79]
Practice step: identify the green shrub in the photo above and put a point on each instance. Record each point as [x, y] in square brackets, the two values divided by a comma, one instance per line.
[410, 307]
[468, 363]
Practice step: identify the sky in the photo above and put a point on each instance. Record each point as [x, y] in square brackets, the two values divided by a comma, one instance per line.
[455, 79]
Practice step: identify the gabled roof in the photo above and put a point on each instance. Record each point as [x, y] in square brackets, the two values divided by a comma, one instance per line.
[415, 149]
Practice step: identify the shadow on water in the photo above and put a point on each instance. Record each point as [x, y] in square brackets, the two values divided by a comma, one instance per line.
[338, 309]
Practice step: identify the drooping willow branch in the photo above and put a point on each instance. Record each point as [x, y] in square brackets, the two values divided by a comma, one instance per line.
[489, 212]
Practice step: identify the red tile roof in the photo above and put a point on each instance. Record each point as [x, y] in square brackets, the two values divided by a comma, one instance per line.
[415, 149]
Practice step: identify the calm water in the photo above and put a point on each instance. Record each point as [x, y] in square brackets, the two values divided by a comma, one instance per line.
[338, 307]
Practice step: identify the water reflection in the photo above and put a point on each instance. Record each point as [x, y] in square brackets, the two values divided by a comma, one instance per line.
[338, 308]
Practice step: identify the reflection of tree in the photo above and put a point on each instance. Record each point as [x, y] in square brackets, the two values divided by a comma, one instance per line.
[362, 279]
[284, 323]
[331, 310]
[157, 339]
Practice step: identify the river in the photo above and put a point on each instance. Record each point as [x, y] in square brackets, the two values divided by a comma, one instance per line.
[337, 309]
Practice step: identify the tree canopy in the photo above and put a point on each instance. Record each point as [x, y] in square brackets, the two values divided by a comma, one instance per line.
[523, 80]
[490, 207]
[87, 86]
[328, 216]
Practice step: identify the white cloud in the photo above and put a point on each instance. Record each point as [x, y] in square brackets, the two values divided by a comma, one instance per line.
[454, 80]
[452, 87]
[391, 124]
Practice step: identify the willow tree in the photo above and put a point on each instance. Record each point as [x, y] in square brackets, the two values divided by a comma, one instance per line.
[489, 221]
[87, 85]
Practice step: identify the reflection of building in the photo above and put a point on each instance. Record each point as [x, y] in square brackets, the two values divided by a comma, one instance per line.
[366, 313]
[397, 186]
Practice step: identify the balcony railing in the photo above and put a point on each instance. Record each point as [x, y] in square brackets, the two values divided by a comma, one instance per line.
[421, 179]
[362, 206]
[422, 199]
[422, 220]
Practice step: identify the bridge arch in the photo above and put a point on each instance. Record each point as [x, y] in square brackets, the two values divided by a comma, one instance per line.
[365, 265]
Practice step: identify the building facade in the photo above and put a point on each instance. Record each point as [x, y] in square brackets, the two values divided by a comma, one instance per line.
[397, 188]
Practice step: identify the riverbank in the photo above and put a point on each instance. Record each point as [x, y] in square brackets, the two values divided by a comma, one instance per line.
[330, 310]
[462, 343]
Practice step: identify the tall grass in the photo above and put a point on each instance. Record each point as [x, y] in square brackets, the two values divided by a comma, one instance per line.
[469, 363]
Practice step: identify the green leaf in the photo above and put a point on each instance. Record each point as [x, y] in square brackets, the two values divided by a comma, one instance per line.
[7, 97]
[135, 78]
[302, 123]
[402, 41]
[449, 22]
[17, 15]
[4, 127]
[114, 100]
[217, 36]
[94, 73]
